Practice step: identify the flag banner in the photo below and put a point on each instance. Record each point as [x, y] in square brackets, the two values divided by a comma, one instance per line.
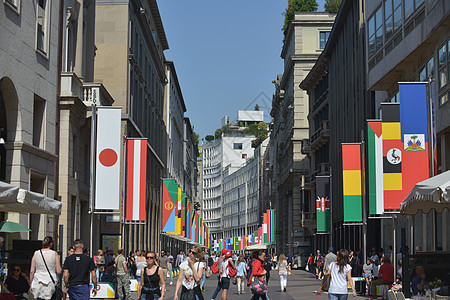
[264, 227]
[272, 220]
[392, 156]
[351, 179]
[183, 214]
[170, 194]
[178, 213]
[136, 179]
[107, 174]
[375, 167]
[414, 134]
[323, 203]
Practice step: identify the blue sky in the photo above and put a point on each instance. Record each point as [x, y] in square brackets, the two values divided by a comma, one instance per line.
[226, 54]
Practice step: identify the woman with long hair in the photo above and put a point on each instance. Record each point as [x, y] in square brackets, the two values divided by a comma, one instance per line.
[283, 268]
[152, 283]
[45, 265]
[99, 261]
[258, 271]
[191, 271]
[240, 276]
[341, 275]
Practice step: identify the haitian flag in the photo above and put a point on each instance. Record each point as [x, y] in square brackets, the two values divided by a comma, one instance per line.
[414, 134]
[170, 194]
[323, 203]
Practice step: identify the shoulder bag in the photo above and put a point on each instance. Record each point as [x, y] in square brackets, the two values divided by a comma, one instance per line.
[155, 292]
[258, 285]
[326, 282]
[58, 293]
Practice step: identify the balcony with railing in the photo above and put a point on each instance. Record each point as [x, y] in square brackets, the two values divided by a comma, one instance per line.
[88, 92]
[321, 135]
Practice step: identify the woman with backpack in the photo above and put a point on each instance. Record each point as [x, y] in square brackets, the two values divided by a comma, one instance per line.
[191, 272]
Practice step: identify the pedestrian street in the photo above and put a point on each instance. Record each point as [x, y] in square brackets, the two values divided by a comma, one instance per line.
[301, 285]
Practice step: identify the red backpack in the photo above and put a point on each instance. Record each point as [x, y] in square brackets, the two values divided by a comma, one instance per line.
[215, 267]
[231, 271]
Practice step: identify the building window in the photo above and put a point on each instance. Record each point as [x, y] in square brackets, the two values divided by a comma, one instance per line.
[42, 25]
[443, 99]
[411, 6]
[237, 146]
[13, 4]
[443, 66]
[244, 156]
[324, 35]
[375, 31]
[38, 122]
[392, 16]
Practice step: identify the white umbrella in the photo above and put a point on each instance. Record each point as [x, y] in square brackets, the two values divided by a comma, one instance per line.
[433, 193]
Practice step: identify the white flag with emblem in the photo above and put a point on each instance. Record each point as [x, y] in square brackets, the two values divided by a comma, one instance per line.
[107, 175]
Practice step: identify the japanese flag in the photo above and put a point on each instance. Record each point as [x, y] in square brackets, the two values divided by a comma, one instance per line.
[107, 177]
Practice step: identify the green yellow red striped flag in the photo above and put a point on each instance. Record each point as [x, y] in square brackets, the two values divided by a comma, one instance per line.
[351, 179]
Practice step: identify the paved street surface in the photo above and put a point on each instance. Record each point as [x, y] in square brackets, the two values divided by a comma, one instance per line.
[301, 285]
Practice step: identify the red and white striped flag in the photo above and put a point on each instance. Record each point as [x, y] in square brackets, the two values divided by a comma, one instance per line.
[136, 179]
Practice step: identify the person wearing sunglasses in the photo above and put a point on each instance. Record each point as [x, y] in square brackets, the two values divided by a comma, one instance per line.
[152, 283]
[191, 271]
[18, 283]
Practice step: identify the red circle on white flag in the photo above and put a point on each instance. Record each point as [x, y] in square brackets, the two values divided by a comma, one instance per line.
[108, 157]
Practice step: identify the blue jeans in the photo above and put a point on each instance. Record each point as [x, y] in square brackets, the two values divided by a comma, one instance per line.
[202, 281]
[337, 296]
[79, 292]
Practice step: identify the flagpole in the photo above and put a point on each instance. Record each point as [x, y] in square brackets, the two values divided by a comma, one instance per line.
[92, 171]
[363, 192]
[431, 137]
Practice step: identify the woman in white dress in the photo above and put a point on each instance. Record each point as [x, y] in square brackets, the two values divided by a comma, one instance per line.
[42, 285]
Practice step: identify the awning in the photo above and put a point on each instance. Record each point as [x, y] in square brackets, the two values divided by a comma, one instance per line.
[8, 193]
[257, 247]
[433, 193]
[14, 199]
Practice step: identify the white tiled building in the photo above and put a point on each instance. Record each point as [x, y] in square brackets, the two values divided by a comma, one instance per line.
[223, 156]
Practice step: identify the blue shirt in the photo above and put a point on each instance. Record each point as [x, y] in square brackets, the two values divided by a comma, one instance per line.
[290, 258]
[241, 269]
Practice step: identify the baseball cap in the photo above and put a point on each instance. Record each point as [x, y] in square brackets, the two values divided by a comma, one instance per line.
[224, 251]
[227, 253]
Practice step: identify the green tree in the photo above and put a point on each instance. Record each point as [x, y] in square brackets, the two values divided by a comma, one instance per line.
[332, 6]
[295, 6]
[259, 130]
[256, 107]
[225, 129]
[209, 138]
[196, 136]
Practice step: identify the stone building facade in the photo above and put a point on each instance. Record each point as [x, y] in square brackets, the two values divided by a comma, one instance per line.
[77, 94]
[305, 39]
[131, 34]
[28, 105]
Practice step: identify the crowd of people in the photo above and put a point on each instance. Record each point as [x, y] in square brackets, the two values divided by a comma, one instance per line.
[377, 269]
[151, 270]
